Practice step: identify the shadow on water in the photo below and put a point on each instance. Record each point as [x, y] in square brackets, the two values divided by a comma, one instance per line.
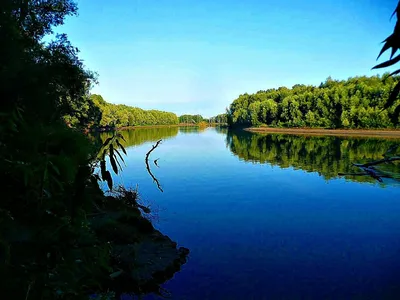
[326, 155]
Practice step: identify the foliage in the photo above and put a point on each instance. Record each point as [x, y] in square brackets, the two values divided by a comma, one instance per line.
[122, 115]
[220, 119]
[47, 189]
[326, 155]
[110, 149]
[50, 247]
[392, 42]
[354, 103]
[203, 124]
[192, 119]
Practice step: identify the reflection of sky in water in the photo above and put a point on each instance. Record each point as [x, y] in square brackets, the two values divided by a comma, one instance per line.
[257, 231]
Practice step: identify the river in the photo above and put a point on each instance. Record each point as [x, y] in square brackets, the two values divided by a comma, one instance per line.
[267, 216]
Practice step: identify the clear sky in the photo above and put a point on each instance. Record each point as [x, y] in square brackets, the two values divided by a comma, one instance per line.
[197, 56]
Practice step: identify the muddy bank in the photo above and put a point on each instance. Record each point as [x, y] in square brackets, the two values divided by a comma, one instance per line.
[384, 133]
[142, 258]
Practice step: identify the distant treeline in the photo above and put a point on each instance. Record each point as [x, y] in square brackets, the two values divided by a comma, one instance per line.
[192, 119]
[98, 112]
[354, 103]
[220, 119]
[195, 119]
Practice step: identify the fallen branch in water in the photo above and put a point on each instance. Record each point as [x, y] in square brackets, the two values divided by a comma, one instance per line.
[370, 170]
[148, 166]
[377, 162]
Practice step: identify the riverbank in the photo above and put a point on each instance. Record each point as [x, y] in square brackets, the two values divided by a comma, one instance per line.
[385, 133]
[109, 128]
[156, 126]
[142, 258]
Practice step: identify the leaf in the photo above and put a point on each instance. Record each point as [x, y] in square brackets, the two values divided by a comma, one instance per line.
[394, 73]
[103, 157]
[114, 164]
[119, 165]
[394, 50]
[396, 11]
[120, 156]
[122, 137]
[109, 180]
[107, 142]
[393, 96]
[116, 274]
[122, 147]
[103, 169]
[388, 63]
[396, 114]
[54, 167]
[385, 47]
[111, 150]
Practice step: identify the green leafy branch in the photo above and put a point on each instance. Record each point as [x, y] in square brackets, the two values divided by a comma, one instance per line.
[392, 42]
[111, 148]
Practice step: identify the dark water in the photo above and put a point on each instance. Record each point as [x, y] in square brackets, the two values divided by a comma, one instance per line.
[267, 217]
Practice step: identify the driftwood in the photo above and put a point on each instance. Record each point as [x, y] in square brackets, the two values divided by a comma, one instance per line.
[148, 166]
[370, 170]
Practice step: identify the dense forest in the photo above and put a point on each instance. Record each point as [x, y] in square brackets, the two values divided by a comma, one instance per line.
[191, 119]
[220, 119]
[117, 115]
[354, 103]
[326, 155]
[95, 112]
[61, 237]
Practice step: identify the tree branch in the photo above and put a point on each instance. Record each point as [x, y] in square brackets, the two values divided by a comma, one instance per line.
[148, 166]
[377, 162]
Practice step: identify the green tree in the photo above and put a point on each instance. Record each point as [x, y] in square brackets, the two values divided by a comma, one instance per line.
[51, 246]
[354, 103]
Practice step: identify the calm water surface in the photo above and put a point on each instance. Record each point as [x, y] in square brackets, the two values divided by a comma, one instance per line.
[267, 217]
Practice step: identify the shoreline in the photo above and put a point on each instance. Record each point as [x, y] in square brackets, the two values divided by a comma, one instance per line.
[157, 126]
[110, 129]
[384, 133]
[171, 125]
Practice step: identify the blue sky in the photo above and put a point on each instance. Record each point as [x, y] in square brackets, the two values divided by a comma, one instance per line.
[190, 56]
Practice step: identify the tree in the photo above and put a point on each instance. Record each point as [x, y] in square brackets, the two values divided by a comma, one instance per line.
[352, 103]
[51, 244]
[122, 115]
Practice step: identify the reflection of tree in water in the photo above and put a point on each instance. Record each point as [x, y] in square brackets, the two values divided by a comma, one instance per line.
[138, 136]
[190, 129]
[221, 129]
[197, 129]
[326, 155]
